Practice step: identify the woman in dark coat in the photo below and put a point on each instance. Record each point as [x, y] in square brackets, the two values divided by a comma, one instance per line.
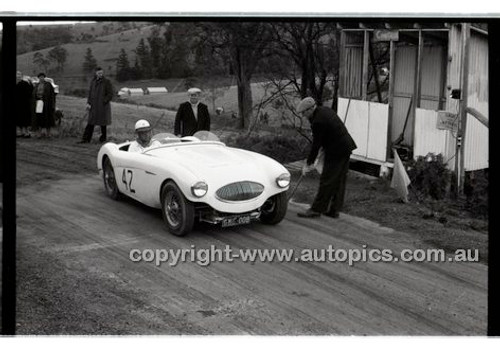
[24, 91]
[44, 112]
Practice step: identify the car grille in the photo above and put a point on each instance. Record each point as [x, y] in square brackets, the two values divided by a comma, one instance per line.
[240, 191]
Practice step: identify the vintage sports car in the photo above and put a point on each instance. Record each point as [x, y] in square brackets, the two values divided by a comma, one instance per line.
[197, 178]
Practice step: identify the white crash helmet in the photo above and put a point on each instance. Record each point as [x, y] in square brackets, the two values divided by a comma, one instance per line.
[142, 125]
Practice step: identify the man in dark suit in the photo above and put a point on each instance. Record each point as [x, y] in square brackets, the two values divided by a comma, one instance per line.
[329, 133]
[192, 116]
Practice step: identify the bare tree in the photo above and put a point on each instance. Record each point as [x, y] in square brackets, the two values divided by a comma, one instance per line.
[59, 55]
[41, 61]
[244, 44]
[313, 49]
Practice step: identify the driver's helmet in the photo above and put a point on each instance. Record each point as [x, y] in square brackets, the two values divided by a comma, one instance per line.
[142, 125]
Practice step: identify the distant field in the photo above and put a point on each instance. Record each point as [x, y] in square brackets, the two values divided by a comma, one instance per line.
[105, 49]
[124, 117]
[228, 101]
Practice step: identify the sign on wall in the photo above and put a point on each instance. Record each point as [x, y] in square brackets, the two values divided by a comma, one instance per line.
[385, 35]
[447, 121]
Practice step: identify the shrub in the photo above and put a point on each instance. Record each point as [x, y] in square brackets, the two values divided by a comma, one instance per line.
[429, 176]
[476, 191]
[72, 126]
[283, 148]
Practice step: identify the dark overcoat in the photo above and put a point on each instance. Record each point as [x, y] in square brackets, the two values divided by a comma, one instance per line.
[24, 105]
[330, 133]
[100, 96]
[185, 122]
[46, 118]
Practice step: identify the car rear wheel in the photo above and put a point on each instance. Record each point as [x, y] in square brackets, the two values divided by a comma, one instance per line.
[177, 211]
[109, 179]
[274, 209]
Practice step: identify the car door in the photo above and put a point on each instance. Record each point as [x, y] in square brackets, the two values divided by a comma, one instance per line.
[131, 173]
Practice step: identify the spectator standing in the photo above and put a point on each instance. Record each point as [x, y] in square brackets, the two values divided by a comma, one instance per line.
[192, 116]
[98, 106]
[44, 100]
[24, 97]
[329, 133]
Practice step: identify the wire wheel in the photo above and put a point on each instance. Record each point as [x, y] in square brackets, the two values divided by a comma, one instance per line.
[173, 210]
[177, 211]
[109, 179]
[274, 209]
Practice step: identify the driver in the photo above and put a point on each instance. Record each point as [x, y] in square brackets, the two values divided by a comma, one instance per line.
[143, 141]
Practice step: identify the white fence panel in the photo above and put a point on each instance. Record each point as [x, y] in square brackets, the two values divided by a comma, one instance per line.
[377, 131]
[428, 138]
[476, 145]
[356, 123]
[367, 122]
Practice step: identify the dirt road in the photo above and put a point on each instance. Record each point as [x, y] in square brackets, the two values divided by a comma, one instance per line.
[75, 275]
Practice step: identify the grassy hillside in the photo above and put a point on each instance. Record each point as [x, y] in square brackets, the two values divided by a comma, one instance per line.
[104, 48]
[28, 35]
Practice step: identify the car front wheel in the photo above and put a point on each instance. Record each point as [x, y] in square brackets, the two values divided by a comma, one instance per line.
[274, 209]
[177, 211]
[108, 175]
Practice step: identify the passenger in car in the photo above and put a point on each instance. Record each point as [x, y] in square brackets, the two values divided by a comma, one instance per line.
[143, 140]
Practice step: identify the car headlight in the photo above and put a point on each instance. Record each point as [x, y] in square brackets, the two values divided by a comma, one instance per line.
[283, 180]
[199, 189]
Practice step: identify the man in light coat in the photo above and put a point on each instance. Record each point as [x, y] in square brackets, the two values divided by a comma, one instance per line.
[98, 106]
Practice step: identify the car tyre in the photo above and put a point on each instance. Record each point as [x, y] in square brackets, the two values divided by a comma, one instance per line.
[178, 212]
[108, 175]
[274, 209]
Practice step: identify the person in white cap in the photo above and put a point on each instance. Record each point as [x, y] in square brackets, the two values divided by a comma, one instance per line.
[143, 141]
[329, 133]
[192, 116]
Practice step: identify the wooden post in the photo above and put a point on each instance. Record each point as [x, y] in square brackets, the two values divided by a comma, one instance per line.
[375, 72]
[364, 88]
[464, 83]
[342, 62]
[418, 82]
[392, 66]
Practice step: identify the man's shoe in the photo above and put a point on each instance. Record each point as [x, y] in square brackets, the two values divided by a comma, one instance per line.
[309, 214]
[102, 139]
[332, 214]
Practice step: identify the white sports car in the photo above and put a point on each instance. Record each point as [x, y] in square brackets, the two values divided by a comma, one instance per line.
[197, 178]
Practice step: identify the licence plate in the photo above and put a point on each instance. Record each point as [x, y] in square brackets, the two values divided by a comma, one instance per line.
[235, 221]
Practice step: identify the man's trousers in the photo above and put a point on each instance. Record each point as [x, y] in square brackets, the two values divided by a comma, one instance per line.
[332, 183]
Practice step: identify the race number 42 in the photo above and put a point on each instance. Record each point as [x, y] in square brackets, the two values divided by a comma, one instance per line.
[127, 177]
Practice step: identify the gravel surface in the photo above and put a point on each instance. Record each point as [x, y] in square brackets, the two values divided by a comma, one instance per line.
[75, 275]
